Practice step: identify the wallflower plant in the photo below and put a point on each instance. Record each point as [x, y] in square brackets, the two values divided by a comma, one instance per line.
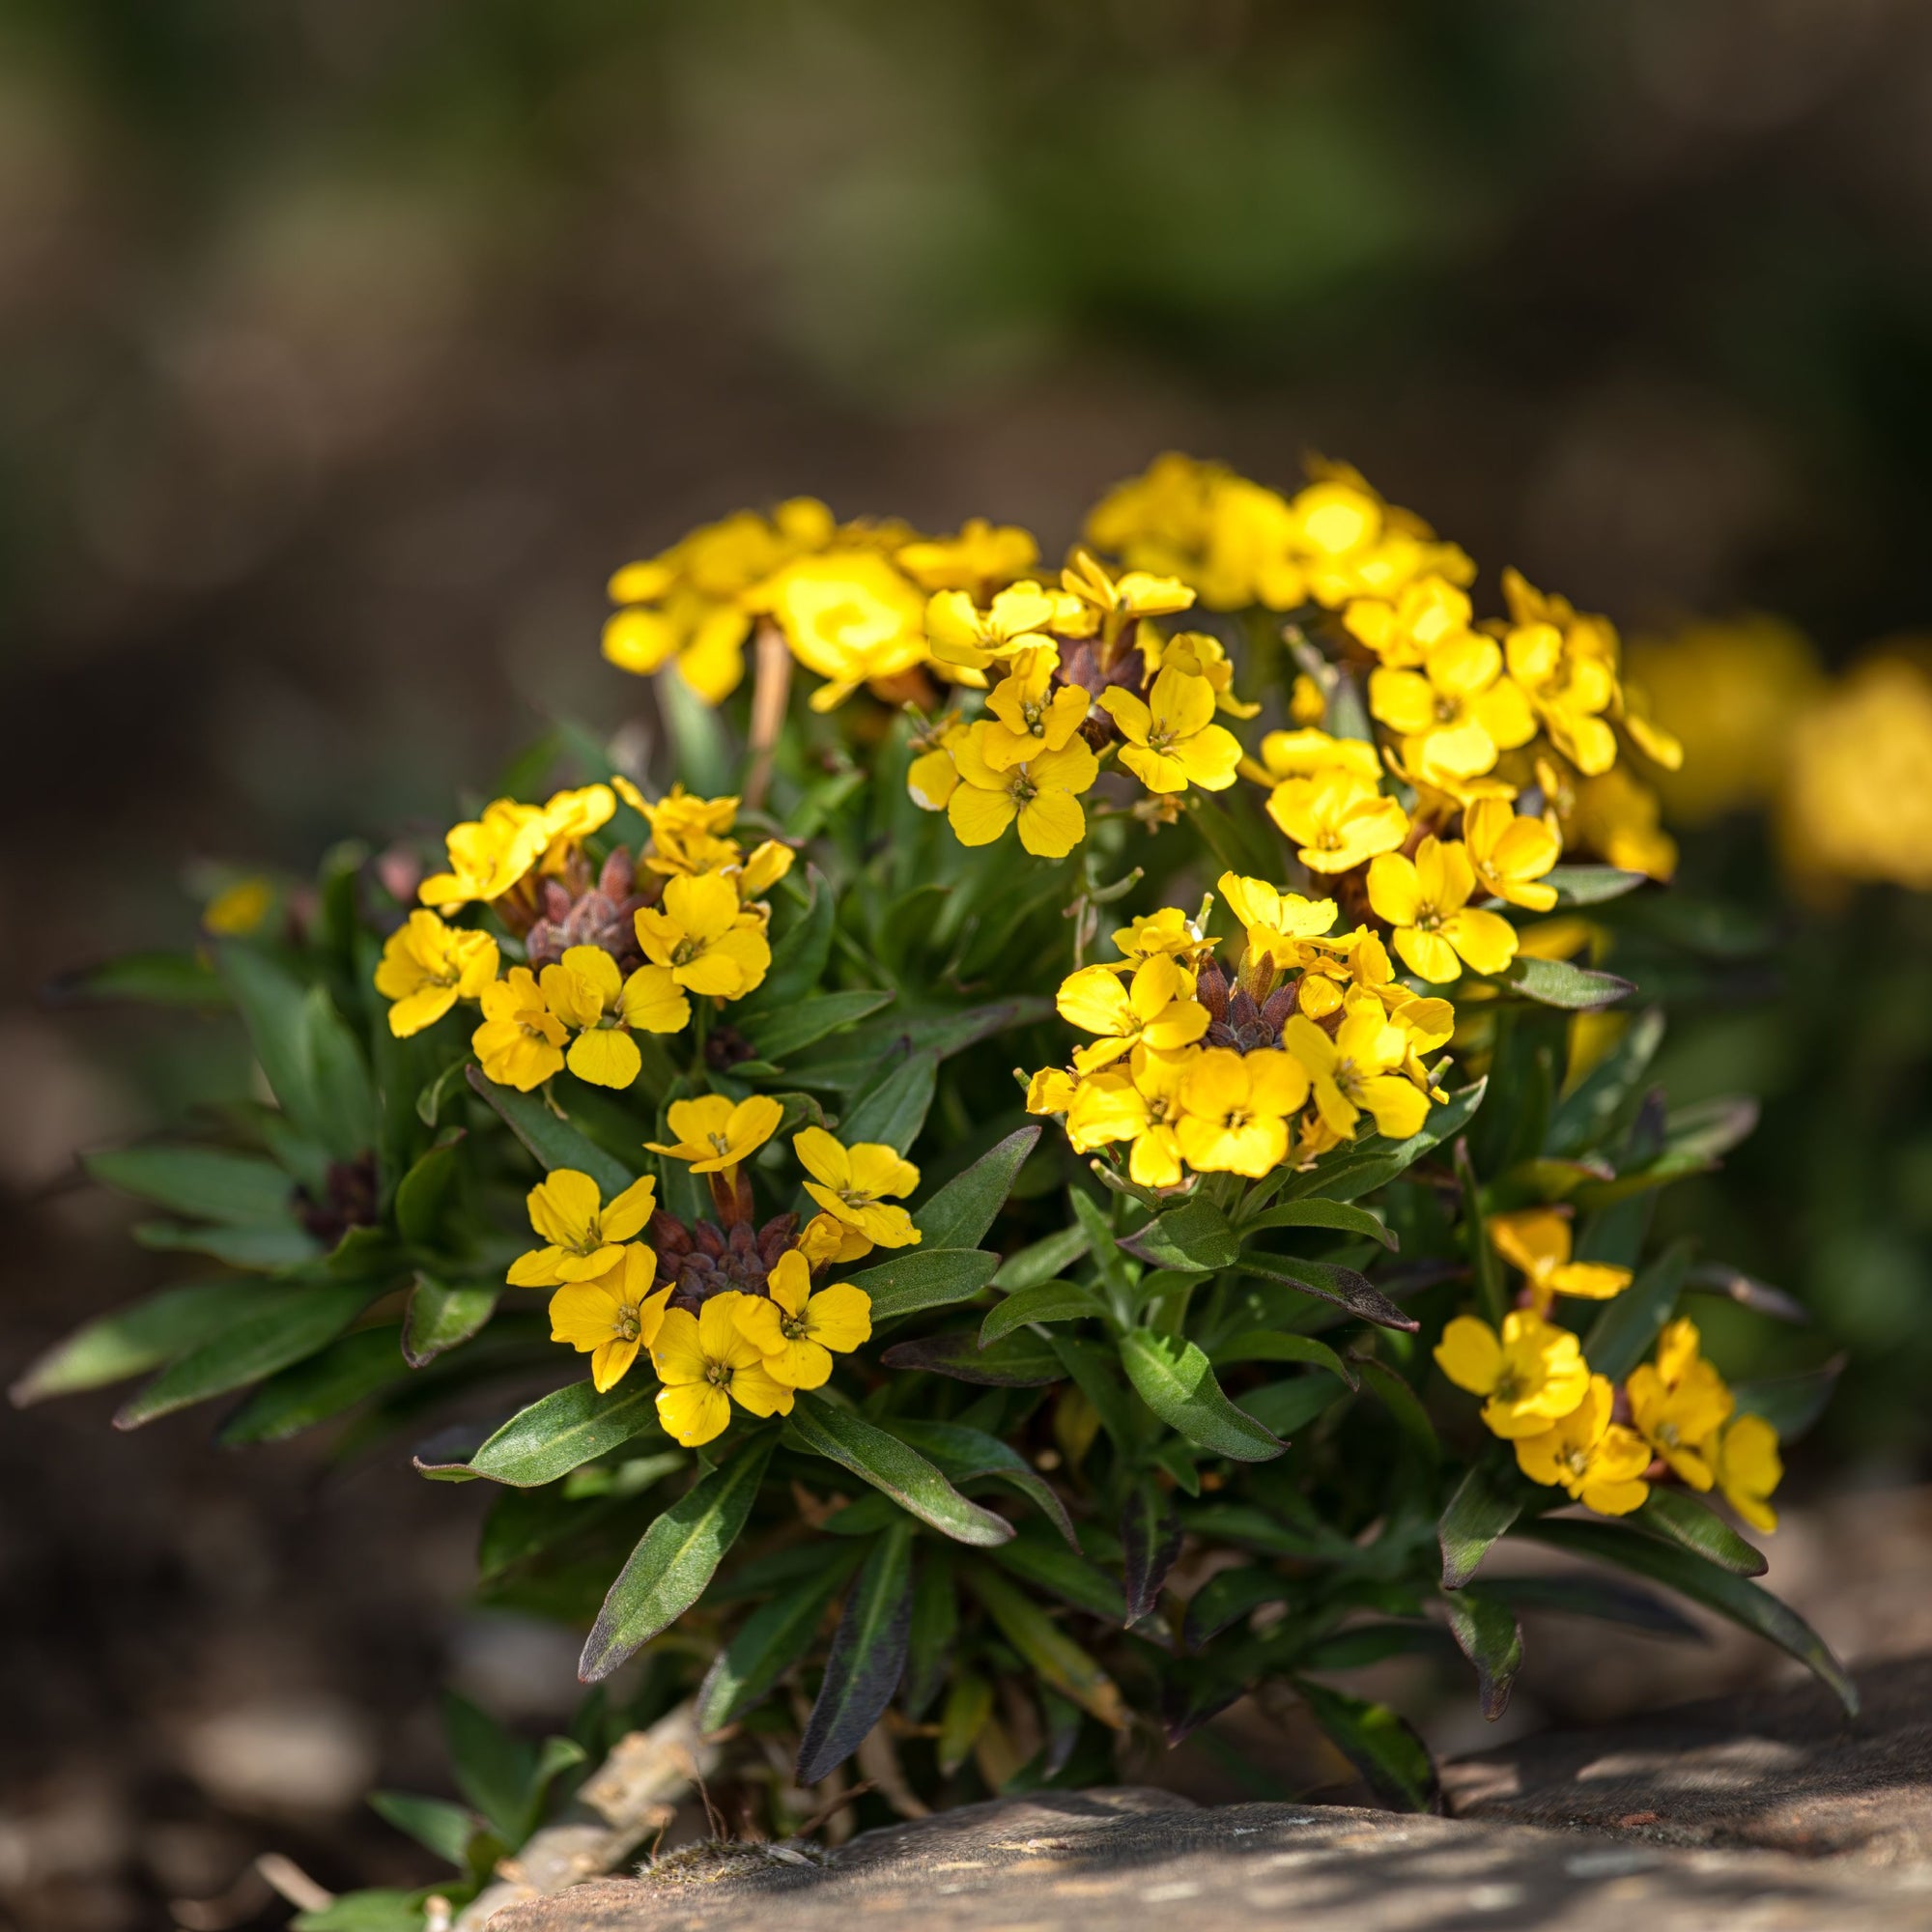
[1032, 1297]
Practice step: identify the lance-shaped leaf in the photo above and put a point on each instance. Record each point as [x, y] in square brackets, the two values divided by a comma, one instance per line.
[1759, 1296]
[800, 951]
[771, 1640]
[959, 1213]
[676, 1558]
[1194, 1238]
[893, 1110]
[440, 1315]
[236, 1189]
[1019, 1361]
[423, 1194]
[1557, 983]
[920, 1278]
[963, 1453]
[1275, 1344]
[1176, 1381]
[1227, 1597]
[1044, 1301]
[875, 1455]
[1624, 1333]
[1409, 1414]
[568, 1426]
[1392, 1761]
[1607, 1599]
[1360, 1168]
[1062, 1573]
[1703, 1582]
[1043, 1260]
[1316, 1212]
[131, 1340]
[1681, 1518]
[1591, 885]
[1285, 1407]
[150, 979]
[1047, 1648]
[868, 1654]
[786, 1029]
[1585, 1116]
[1151, 1536]
[1342, 1286]
[1487, 1633]
[1479, 1512]
[969, 1704]
[1790, 1403]
[433, 1823]
[348, 1370]
[554, 1141]
[935, 1629]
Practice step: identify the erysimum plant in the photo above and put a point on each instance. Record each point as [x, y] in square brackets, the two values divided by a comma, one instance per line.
[988, 1309]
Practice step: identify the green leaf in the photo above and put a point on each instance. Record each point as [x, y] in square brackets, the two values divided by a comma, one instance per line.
[1364, 1166]
[1020, 1361]
[567, 1428]
[1477, 1515]
[1586, 1116]
[492, 1767]
[880, 1458]
[1759, 1296]
[704, 760]
[1316, 1212]
[1344, 1286]
[676, 1558]
[239, 1190]
[788, 1028]
[153, 979]
[867, 1657]
[1194, 1238]
[1790, 1403]
[1708, 1129]
[1486, 1266]
[1272, 1344]
[893, 1111]
[423, 1194]
[1043, 1260]
[258, 1250]
[554, 1141]
[771, 1640]
[1681, 1518]
[1400, 1399]
[969, 1703]
[432, 1093]
[1624, 1333]
[1605, 1598]
[917, 1278]
[433, 1823]
[853, 1061]
[344, 1373]
[341, 1093]
[1690, 1576]
[377, 1908]
[1591, 885]
[931, 1650]
[1487, 1633]
[1150, 1538]
[1285, 1407]
[294, 1324]
[1392, 1761]
[1557, 983]
[1047, 1648]
[1228, 1597]
[1176, 1381]
[273, 1004]
[1065, 1574]
[800, 953]
[1044, 1301]
[440, 1315]
[962, 1453]
[960, 1214]
[141, 1336]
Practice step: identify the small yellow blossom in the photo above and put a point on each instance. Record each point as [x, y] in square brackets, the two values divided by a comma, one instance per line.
[1353, 544]
[1510, 852]
[797, 1332]
[1199, 654]
[240, 909]
[1359, 1070]
[1427, 900]
[1236, 1107]
[569, 817]
[706, 1362]
[963, 636]
[1156, 1009]
[1616, 815]
[520, 1041]
[1042, 795]
[587, 992]
[488, 856]
[613, 1316]
[848, 615]
[1338, 821]
[585, 1235]
[1598, 1461]
[1429, 612]
[1310, 753]
[1169, 930]
[982, 558]
[1279, 925]
[1537, 1241]
[1745, 1462]
[1307, 703]
[933, 775]
[852, 1185]
[714, 1134]
[708, 942]
[826, 1240]
[1532, 1373]
[1115, 602]
[1457, 713]
[1052, 1091]
[1679, 1403]
[1029, 715]
[1139, 1102]
[1171, 738]
[428, 966]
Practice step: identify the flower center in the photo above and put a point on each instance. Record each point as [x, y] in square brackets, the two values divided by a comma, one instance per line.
[1022, 789]
[1035, 718]
[627, 1328]
[720, 1143]
[1235, 1119]
[686, 950]
[1160, 737]
[588, 1242]
[1446, 709]
[718, 1374]
[1667, 1434]
[792, 1328]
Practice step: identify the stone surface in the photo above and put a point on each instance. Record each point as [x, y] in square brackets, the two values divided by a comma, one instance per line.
[1065, 1862]
[1783, 1768]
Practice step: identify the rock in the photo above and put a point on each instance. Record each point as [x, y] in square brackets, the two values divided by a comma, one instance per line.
[1062, 1862]
[1783, 1768]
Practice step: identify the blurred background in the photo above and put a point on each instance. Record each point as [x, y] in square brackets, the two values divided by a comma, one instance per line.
[346, 346]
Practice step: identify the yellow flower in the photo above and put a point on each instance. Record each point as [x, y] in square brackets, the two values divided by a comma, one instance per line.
[569, 817]
[1616, 816]
[705, 938]
[1235, 1109]
[714, 1134]
[978, 560]
[428, 966]
[1311, 753]
[825, 1239]
[706, 1362]
[933, 776]
[1140, 1103]
[1338, 821]
[488, 856]
[585, 991]
[1359, 1070]
[1033, 717]
[767, 862]
[1427, 900]
[1199, 655]
[1112, 603]
[1567, 691]
[1428, 613]
[1156, 1009]
[848, 615]
[1748, 1468]
[851, 1185]
[1279, 925]
[1510, 852]
[798, 1332]
[967, 638]
[1041, 794]
[1307, 703]
[1353, 544]
[1679, 1403]
[612, 1317]
[585, 1235]
[520, 1043]
[1052, 1091]
[241, 909]
[1458, 712]
[1533, 1374]
[1537, 1241]
[1169, 930]
[1598, 1461]
[1171, 738]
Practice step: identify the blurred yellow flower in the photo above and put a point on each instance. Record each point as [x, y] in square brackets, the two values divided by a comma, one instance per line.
[1428, 614]
[1746, 1464]
[1537, 1241]
[428, 966]
[1616, 815]
[850, 616]
[979, 561]
[240, 909]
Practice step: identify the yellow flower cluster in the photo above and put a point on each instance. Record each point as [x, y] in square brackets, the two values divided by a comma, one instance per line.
[615, 1299]
[694, 929]
[1570, 1428]
[1193, 1069]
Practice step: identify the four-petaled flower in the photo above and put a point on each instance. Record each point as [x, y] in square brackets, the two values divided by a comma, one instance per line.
[705, 938]
[428, 966]
[851, 1185]
[585, 1233]
[1458, 711]
[1031, 717]
[1533, 1374]
[519, 1042]
[1679, 1403]
[1235, 1109]
[797, 1331]
[1338, 820]
[612, 1317]
[1171, 738]
[1598, 1461]
[1537, 1241]
[706, 1362]
[1510, 851]
[715, 1134]
[1360, 1068]
[1158, 1007]
[1427, 900]
[586, 991]
[1042, 794]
